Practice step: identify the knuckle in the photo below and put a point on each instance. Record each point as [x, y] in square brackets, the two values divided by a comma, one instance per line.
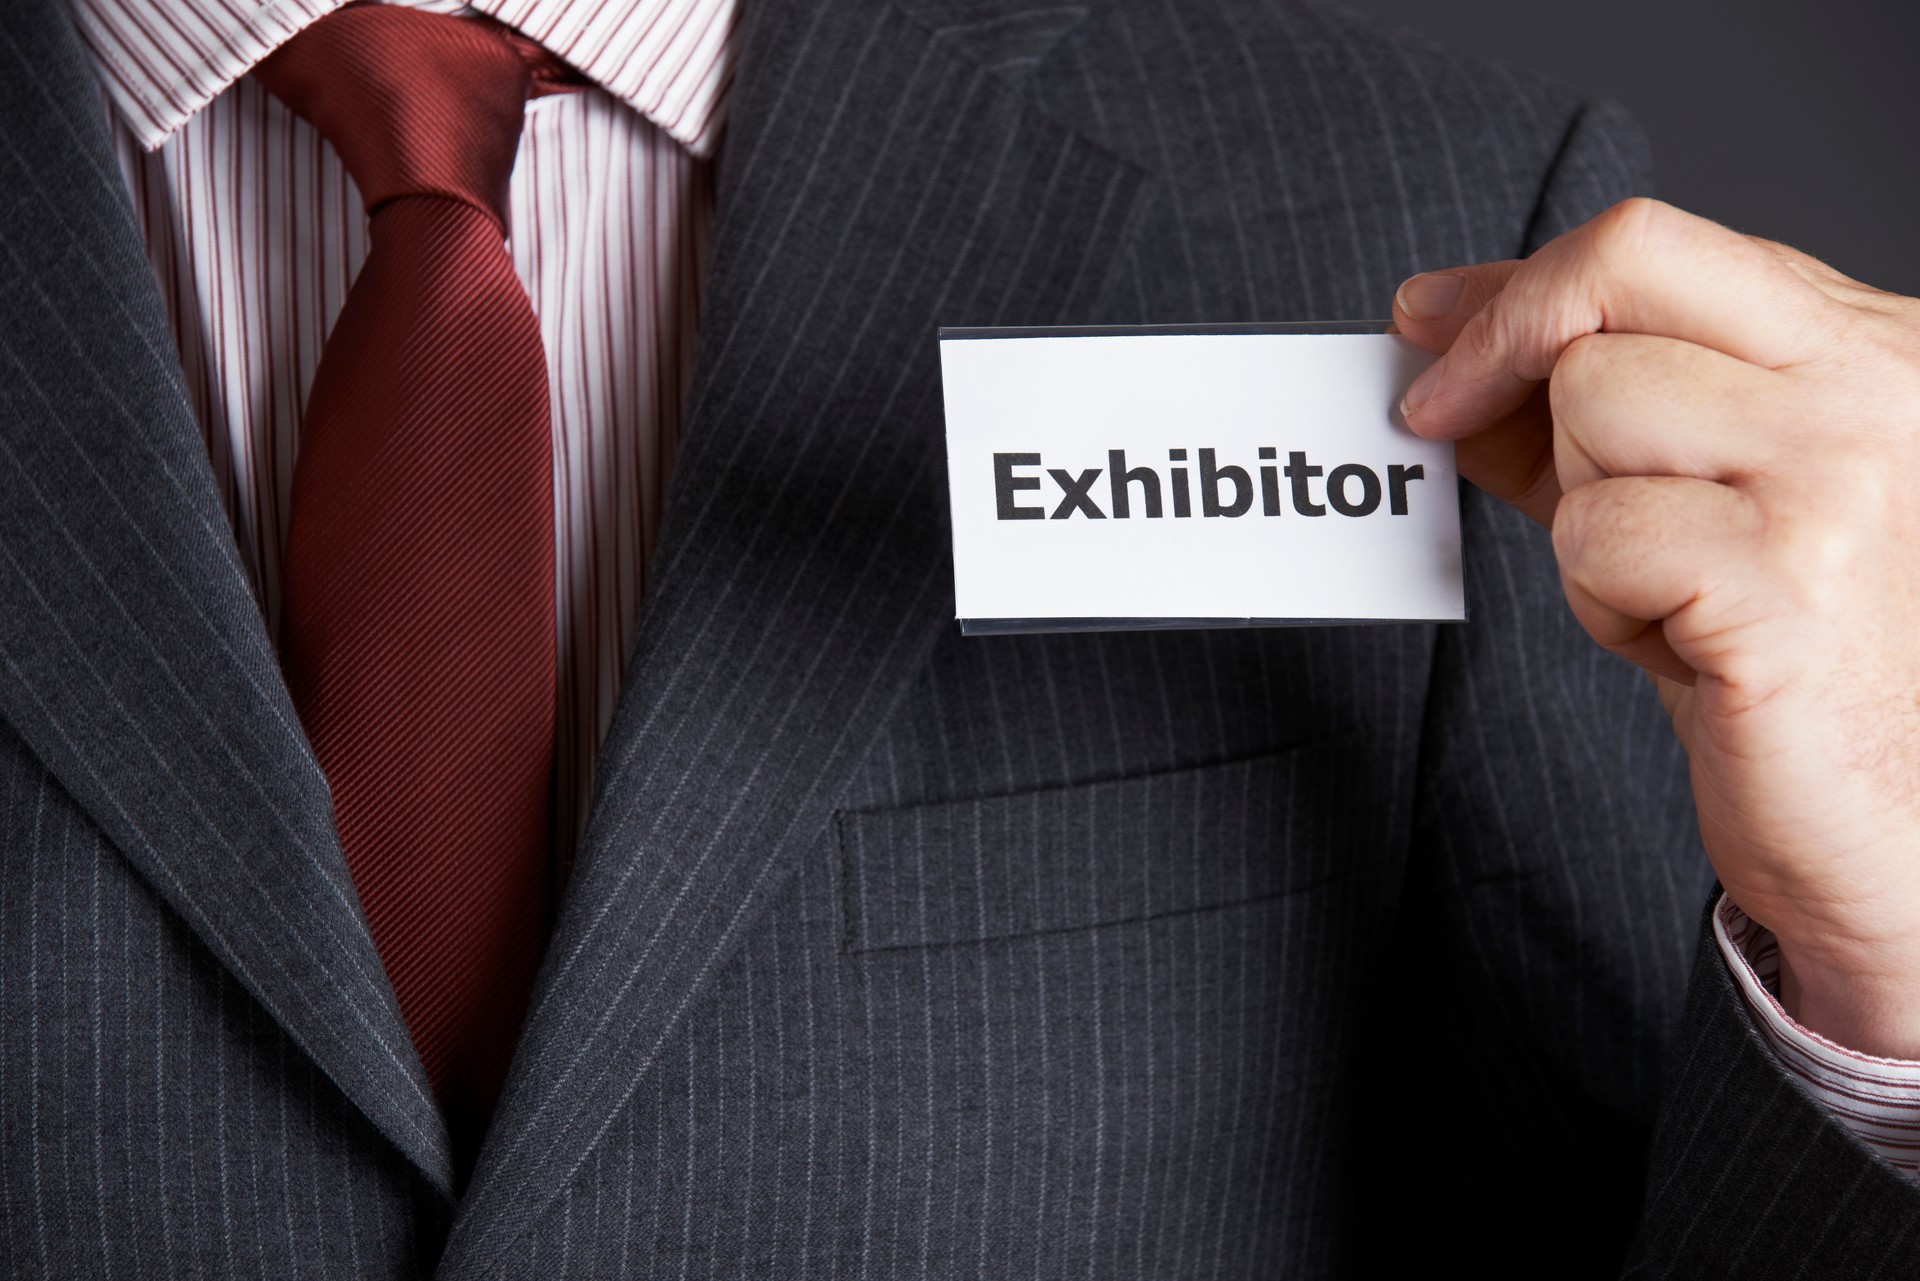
[1522, 330]
[1805, 265]
[1811, 557]
[1569, 394]
[1748, 676]
[1853, 476]
[1623, 234]
[1580, 520]
[1587, 362]
[1483, 341]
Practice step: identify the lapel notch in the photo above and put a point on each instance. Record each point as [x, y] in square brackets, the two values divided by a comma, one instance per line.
[133, 660]
[885, 174]
[1008, 38]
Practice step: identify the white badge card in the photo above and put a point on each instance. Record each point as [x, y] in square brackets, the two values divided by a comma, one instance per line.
[1194, 477]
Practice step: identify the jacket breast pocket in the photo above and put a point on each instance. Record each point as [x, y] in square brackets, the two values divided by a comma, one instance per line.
[1129, 1001]
[1120, 851]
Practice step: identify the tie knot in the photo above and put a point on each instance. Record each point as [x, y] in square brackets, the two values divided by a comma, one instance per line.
[414, 103]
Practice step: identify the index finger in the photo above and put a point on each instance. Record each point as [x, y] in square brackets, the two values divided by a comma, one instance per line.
[1432, 308]
[1641, 267]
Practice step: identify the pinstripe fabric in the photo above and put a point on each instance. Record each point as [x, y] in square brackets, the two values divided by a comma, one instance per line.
[891, 953]
[820, 408]
[133, 660]
[227, 1153]
[1797, 1196]
[894, 1135]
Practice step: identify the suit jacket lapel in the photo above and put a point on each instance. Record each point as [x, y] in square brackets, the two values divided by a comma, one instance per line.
[883, 175]
[132, 657]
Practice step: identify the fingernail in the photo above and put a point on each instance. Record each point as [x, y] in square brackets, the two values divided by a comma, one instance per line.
[1431, 296]
[1421, 389]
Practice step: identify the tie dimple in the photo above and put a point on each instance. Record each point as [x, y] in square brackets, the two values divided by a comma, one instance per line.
[418, 626]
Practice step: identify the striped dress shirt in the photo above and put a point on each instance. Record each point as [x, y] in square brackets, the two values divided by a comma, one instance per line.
[256, 231]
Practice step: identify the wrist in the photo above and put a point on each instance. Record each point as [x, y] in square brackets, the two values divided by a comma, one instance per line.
[1870, 1004]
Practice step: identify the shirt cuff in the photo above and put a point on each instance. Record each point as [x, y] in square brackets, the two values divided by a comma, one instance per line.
[1878, 1099]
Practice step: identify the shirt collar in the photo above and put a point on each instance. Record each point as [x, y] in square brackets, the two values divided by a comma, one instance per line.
[161, 61]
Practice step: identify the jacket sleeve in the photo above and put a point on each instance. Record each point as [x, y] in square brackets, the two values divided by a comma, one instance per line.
[1750, 1176]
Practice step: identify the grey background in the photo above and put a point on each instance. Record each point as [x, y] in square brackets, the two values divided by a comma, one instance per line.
[1794, 120]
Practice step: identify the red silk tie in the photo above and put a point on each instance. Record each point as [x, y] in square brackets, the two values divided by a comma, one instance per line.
[418, 626]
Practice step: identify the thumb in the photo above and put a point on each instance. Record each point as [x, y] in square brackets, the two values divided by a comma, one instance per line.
[1432, 308]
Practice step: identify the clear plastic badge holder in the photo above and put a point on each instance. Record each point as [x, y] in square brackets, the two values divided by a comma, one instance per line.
[1235, 466]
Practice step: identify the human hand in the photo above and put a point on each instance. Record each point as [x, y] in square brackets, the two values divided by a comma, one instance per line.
[1724, 437]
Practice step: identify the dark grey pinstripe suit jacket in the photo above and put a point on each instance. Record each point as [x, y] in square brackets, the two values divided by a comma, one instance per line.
[892, 954]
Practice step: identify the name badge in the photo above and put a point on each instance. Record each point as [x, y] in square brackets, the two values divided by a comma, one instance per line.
[1213, 476]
